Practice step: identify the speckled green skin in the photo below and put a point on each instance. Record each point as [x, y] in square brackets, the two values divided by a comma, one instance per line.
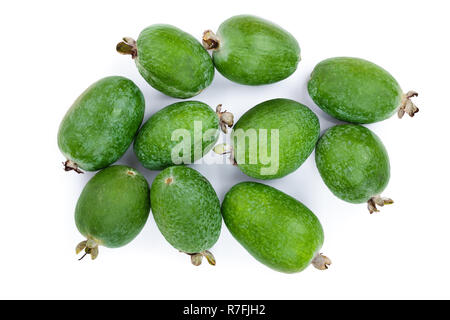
[273, 227]
[173, 62]
[353, 162]
[153, 145]
[102, 123]
[354, 90]
[299, 130]
[186, 209]
[114, 206]
[255, 51]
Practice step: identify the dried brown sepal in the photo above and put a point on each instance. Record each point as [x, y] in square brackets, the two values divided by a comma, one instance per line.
[94, 253]
[224, 148]
[377, 201]
[233, 158]
[69, 165]
[80, 247]
[407, 106]
[196, 259]
[226, 118]
[321, 262]
[128, 46]
[209, 257]
[91, 243]
[210, 40]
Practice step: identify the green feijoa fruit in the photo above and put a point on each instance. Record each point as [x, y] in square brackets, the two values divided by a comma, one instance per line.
[253, 51]
[274, 138]
[170, 60]
[101, 124]
[354, 165]
[358, 91]
[112, 209]
[180, 133]
[187, 211]
[273, 227]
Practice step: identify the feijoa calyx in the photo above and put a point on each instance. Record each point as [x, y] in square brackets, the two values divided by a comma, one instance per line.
[187, 211]
[273, 139]
[101, 124]
[180, 133]
[170, 60]
[354, 164]
[253, 51]
[112, 209]
[358, 91]
[276, 229]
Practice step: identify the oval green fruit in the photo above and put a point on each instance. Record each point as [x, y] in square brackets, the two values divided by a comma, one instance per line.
[179, 133]
[253, 51]
[187, 211]
[276, 229]
[170, 60]
[274, 138]
[101, 124]
[112, 209]
[358, 91]
[354, 165]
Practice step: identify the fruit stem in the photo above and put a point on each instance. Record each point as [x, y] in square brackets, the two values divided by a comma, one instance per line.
[224, 148]
[69, 165]
[84, 255]
[407, 106]
[321, 262]
[128, 46]
[377, 200]
[196, 258]
[210, 40]
[226, 118]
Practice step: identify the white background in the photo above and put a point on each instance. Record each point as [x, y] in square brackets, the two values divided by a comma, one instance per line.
[52, 50]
